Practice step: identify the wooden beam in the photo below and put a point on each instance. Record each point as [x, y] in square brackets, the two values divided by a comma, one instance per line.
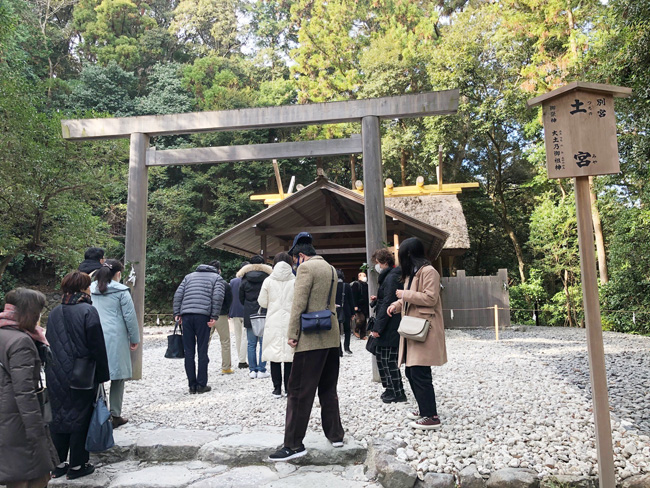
[320, 229]
[342, 250]
[403, 106]
[254, 152]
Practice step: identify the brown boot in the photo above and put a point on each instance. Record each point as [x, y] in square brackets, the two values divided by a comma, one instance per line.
[117, 421]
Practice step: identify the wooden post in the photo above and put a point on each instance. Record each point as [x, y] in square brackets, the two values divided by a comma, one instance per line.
[263, 247]
[276, 170]
[496, 322]
[594, 329]
[396, 247]
[353, 171]
[373, 192]
[439, 172]
[136, 233]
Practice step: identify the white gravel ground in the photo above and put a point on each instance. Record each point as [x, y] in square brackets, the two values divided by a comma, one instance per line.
[521, 402]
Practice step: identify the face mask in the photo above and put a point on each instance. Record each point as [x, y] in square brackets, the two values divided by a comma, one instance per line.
[377, 268]
[364, 279]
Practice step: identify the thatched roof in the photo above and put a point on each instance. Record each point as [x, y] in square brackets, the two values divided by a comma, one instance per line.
[441, 211]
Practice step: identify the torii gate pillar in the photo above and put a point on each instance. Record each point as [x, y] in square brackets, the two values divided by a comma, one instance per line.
[373, 192]
[136, 234]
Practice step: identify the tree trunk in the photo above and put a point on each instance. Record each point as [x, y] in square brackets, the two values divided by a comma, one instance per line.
[4, 263]
[402, 164]
[598, 233]
[565, 284]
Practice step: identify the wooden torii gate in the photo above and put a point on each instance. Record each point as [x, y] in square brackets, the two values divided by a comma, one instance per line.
[140, 129]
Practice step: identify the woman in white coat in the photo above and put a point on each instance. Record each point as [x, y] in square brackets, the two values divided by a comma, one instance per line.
[276, 296]
[116, 311]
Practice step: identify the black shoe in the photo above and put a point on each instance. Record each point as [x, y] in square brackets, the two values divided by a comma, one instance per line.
[286, 454]
[347, 351]
[203, 389]
[390, 398]
[400, 399]
[59, 472]
[277, 393]
[242, 365]
[118, 421]
[192, 390]
[85, 470]
[385, 394]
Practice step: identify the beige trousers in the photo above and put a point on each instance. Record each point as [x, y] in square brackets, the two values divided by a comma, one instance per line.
[223, 330]
[241, 341]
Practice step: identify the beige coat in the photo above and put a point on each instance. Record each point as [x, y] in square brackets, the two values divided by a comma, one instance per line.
[423, 300]
[310, 295]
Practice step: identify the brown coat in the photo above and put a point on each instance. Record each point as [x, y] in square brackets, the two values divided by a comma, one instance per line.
[26, 449]
[310, 293]
[423, 300]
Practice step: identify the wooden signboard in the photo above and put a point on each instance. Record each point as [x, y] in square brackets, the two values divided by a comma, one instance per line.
[580, 133]
[580, 129]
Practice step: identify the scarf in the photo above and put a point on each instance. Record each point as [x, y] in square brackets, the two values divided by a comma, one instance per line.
[74, 298]
[8, 319]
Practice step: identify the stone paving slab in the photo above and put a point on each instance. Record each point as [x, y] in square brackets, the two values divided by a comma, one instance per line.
[255, 447]
[316, 479]
[246, 477]
[174, 476]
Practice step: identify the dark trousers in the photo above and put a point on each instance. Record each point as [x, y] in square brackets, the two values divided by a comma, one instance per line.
[347, 332]
[313, 370]
[389, 372]
[276, 375]
[422, 385]
[75, 443]
[196, 334]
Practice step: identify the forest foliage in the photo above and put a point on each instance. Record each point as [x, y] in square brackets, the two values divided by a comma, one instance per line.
[100, 58]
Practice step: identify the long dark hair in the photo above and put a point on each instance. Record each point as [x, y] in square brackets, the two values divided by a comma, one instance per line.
[29, 304]
[412, 257]
[106, 272]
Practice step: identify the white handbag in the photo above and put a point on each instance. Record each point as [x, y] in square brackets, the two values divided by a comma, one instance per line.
[413, 328]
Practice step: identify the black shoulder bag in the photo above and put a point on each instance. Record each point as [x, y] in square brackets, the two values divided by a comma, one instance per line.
[321, 319]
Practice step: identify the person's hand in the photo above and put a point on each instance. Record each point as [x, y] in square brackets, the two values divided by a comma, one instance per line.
[399, 293]
[373, 298]
[292, 342]
[391, 310]
[212, 323]
[374, 334]
[133, 347]
[179, 319]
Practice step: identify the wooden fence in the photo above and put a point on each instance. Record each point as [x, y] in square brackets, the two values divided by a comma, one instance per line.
[468, 301]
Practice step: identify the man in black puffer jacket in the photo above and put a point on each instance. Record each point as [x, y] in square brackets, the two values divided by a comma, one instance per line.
[197, 305]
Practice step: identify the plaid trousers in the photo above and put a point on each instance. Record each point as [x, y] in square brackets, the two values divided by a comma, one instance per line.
[389, 372]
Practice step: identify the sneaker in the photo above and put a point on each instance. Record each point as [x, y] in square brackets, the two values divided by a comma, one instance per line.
[227, 371]
[117, 421]
[263, 374]
[242, 365]
[59, 472]
[347, 351]
[337, 443]
[286, 454]
[84, 470]
[277, 393]
[203, 389]
[390, 398]
[426, 423]
[252, 375]
[413, 415]
[385, 394]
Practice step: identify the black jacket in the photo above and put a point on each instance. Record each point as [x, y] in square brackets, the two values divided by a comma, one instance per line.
[385, 326]
[252, 276]
[360, 294]
[227, 300]
[346, 302]
[89, 265]
[83, 337]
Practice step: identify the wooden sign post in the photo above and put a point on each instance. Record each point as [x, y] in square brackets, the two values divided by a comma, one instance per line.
[580, 135]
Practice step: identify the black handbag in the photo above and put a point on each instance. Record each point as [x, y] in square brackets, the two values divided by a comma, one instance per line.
[83, 369]
[371, 343]
[175, 348]
[321, 319]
